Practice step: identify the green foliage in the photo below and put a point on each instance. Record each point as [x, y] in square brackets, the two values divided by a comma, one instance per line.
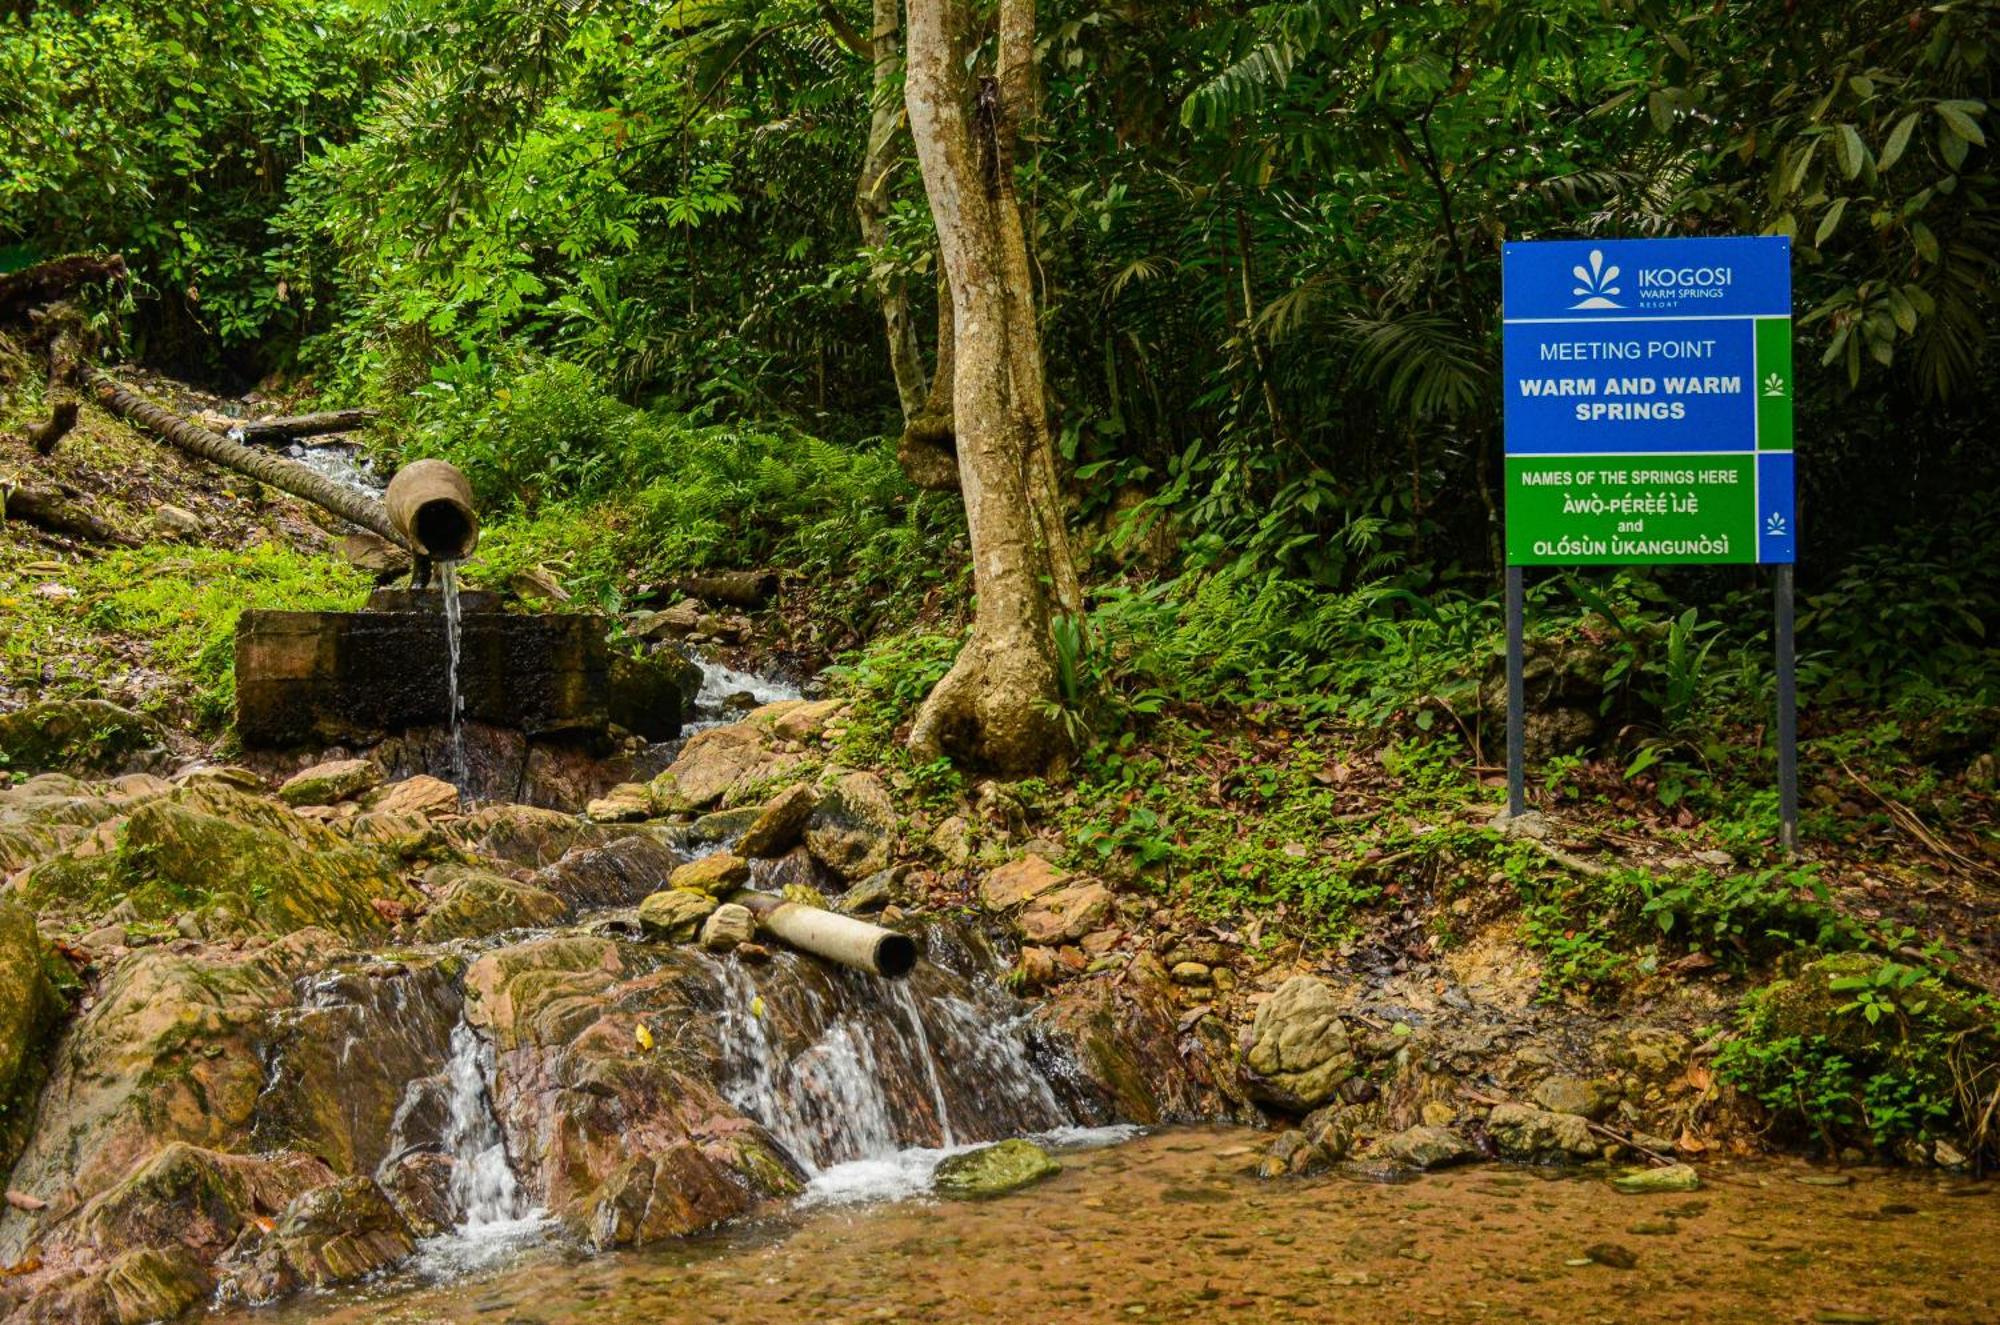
[178, 605]
[1870, 1050]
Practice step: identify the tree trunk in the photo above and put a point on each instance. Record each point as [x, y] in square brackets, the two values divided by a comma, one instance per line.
[871, 207]
[928, 451]
[282, 474]
[64, 328]
[46, 282]
[994, 707]
[46, 508]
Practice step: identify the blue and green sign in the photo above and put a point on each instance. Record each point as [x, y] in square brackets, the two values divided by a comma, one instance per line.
[1648, 407]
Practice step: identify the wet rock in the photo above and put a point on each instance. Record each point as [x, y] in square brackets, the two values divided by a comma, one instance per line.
[628, 802]
[716, 874]
[336, 1234]
[1299, 1051]
[335, 780]
[405, 835]
[420, 794]
[852, 828]
[646, 694]
[676, 914]
[146, 1284]
[82, 735]
[1190, 973]
[1037, 969]
[418, 1184]
[1612, 1255]
[1126, 1036]
[1591, 1099]
[191, 1198]
[170, 1051]
[1067, 914]
[28, 1009]
[1423, 1148]
[878, 890]
[780, 823]
[618, 873]
[472, 903]
[236, 852]
[719, 827]
[526, 834]
[1019, 881]
[227, 775]
[623, 1147]
[1520, 1131]
[1671, 1178]
[728, 926]
[711, 765]
[994, 1170]
[1294, 1154]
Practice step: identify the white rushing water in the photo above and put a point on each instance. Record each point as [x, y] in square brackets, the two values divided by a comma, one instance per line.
[483, 1189]
[721, 684]
[891, 1083]
[455, 703]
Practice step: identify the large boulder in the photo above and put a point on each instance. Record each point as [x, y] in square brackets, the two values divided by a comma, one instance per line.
[1138, 1066]
[712, 765]
[221, 853]
[623, 1137]
[335, 780]
[28, 1008]
[852, 828]
[335, 1234]
[676, 914]
[1018, 881]
[528, 835]
[647, 694]
[472, 903]
[994, 1170]
[188, 1197]
[1520, 1131]
[777, 826]
[618, 873]
[715, 874]
[80, 735]
[1299, 1052]
[1066, 914]
[419, 794]
[172, 1050]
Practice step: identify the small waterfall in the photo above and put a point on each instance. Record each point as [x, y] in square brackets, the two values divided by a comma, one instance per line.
[867, 1083]
[448, 585]
[483, 1189]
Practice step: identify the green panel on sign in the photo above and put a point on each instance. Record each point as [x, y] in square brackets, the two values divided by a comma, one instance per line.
[1611, 510]
[1774, 384]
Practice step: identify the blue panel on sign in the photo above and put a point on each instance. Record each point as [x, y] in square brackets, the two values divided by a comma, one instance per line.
[1607, 280]
[1777, 540]
[1656, 387]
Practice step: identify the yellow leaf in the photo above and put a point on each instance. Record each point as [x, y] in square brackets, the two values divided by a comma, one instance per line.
[644, 1037]
[757, 1006]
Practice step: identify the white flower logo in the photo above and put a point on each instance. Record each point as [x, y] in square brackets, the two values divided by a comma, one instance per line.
[1593, 286]
[1775, 526]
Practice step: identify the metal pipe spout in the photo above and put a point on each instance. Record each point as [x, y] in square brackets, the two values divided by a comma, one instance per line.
[430, 504]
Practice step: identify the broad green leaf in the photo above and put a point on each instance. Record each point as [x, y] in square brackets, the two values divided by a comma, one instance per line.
[1899, 141]
[1853, 152]
[1829, 222]
[1926, 242]
[1961, 124]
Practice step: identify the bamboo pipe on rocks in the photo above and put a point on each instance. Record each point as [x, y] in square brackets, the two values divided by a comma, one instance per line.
[285, 475]
[837, 938]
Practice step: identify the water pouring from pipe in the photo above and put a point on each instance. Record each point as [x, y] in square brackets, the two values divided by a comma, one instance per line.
[430, 504]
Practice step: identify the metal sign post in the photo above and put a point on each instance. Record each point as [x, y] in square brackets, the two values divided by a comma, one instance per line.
[1648, 388]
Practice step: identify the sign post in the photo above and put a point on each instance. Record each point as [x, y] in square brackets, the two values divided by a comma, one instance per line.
[1648, 387]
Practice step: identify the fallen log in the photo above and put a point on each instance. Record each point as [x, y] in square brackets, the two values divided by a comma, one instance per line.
[282, 474]
[46, 282]
[738, 588]
[47, 509]
[837, 938]
[271, 432]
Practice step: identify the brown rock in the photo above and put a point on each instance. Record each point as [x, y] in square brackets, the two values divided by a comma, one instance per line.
[778, 826]
[1067, 914]
[852, 830]
[1019, 881]
[714, 874]
[335, 780]
[421, 794]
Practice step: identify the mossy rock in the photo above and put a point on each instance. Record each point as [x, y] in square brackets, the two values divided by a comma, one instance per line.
[28, 1009]
[210, 850]
[473, 903]
[676, 913]
[995, 1170]
[79, 735]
